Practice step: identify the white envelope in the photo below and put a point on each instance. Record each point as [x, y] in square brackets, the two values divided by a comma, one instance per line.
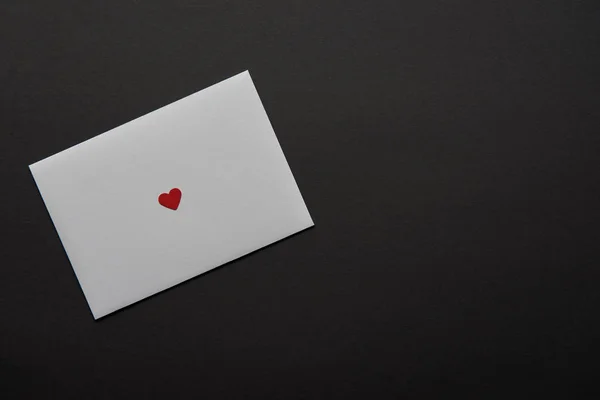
[217, 148]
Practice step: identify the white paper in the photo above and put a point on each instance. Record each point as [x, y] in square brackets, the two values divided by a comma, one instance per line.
[218, 147]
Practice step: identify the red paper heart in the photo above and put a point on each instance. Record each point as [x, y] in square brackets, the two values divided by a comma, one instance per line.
[170, 200]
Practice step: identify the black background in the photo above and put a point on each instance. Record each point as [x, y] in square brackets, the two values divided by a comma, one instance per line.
[447, 151]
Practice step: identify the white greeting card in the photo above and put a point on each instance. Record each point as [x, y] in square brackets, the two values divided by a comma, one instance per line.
[171, 195]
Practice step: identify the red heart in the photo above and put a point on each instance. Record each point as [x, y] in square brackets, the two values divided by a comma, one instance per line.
[170, 200]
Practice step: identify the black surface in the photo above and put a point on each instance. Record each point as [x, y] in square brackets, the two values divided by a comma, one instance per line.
[448, 153]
